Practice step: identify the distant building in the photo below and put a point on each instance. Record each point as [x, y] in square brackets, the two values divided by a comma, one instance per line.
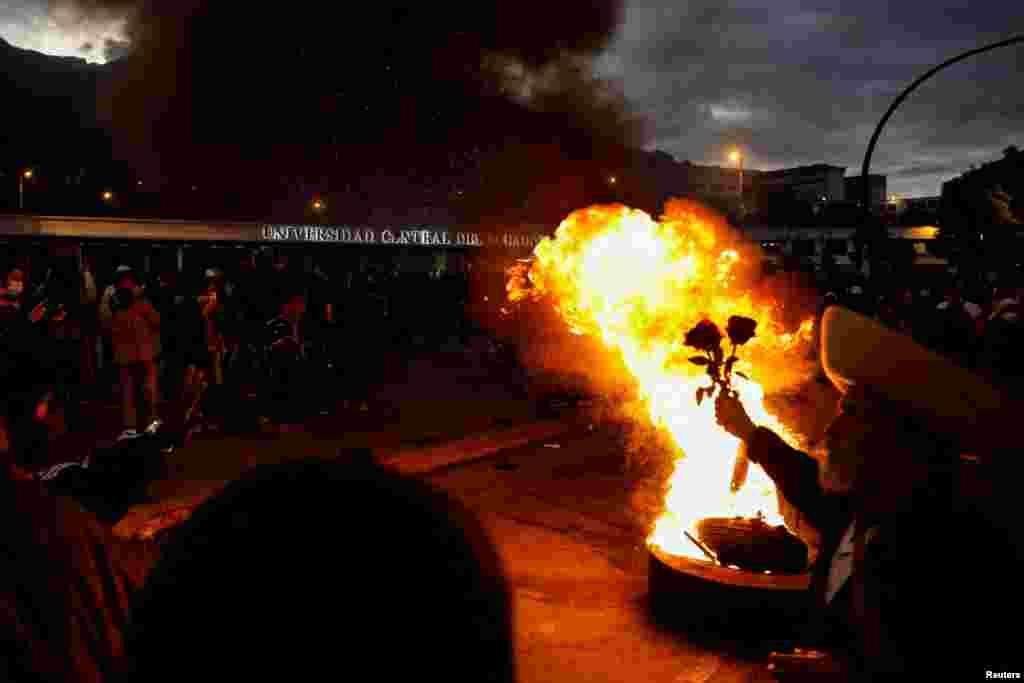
[722, 181]
[821, 185]
[922, 203]
[818, 183]
[876, 189]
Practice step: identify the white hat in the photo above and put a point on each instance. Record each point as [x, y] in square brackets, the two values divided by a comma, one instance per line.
[124, 269]
[858, 352]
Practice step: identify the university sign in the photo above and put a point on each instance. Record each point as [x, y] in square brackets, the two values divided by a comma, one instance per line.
[240, 232]
[427, 237]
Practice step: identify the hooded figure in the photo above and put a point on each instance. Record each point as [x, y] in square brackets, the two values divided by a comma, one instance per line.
[881, 493]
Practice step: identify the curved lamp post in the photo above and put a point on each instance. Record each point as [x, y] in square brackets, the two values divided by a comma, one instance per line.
[866, 166]
[22, 177]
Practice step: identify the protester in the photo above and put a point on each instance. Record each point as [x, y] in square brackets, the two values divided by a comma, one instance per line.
[67, 579]
[896, 310]
[134, 327]
[955, 326]
[168, 301]
[249, 317]
[249, 586]
[13, 314]
[906, 311]
[288, 390]
[1004, 334]
[214, 306]
[888, 598]
[63, 317]
[186, 413]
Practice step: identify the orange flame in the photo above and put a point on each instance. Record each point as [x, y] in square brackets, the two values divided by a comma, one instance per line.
[638, 285]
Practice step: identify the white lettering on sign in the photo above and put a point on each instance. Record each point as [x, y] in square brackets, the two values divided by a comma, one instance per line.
[426, 237]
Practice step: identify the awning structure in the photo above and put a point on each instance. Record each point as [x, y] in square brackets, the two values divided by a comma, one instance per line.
[126, 229]
[508, 239]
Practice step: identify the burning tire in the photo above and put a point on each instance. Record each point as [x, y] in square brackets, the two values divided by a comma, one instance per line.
[719, 602]
[753, 545]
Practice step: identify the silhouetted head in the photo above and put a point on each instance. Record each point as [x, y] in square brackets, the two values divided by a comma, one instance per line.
[318, 569]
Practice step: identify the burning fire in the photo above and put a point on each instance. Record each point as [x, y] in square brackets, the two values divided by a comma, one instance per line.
[638, 285]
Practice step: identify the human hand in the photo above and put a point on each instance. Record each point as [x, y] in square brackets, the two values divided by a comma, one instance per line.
[732, 417]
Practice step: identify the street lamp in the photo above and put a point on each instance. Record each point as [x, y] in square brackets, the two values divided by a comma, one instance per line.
[736, 157]
[108, 196]
[868, 232]
[22, 177]
[319, 206]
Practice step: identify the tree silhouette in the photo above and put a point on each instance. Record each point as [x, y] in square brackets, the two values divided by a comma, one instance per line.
[999, 203]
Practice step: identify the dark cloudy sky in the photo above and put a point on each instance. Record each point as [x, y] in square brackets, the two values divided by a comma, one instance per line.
[792, 81]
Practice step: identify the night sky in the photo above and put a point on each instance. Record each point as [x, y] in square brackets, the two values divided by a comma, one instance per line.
[793, 82]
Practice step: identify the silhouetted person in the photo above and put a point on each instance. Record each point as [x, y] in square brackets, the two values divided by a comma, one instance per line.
[956, 333]
[882, 498]
[134, 327]
[66, 580]
[314, 570]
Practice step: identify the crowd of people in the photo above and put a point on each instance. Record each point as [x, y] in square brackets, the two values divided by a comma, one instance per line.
[209, 600]
[78, 603]
[178, 348]
[979, 327]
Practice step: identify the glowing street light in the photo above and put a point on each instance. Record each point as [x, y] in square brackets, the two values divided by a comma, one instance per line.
[107, 196]
[27, 174]
[736, 157]
[318, 205]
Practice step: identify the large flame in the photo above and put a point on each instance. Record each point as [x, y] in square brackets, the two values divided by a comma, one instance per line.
[638, 285]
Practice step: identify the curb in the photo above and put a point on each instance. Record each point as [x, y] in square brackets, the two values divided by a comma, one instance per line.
[418, 461]
[408, 460]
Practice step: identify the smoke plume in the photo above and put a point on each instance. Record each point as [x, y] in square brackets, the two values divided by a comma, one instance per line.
[271, 100]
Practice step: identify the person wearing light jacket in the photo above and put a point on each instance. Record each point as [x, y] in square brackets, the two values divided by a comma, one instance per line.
[134, 327]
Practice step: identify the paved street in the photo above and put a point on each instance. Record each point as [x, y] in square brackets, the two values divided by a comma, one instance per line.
[552, 492]
[573, 551]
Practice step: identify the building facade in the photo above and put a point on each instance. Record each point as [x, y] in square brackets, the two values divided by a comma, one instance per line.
[817, 183]
[727, 186]
[922, 203]
[876, 190]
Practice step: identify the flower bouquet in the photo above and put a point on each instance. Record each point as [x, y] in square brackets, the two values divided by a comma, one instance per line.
[707, 337]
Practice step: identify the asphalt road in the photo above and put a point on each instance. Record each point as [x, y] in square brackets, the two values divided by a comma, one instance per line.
[566, 524]
[561, 509]
[573, 550]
